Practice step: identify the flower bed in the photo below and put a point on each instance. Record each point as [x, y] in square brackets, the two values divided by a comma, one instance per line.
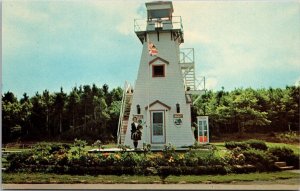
[168, 162]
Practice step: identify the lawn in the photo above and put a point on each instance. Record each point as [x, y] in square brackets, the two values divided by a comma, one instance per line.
[108, 179]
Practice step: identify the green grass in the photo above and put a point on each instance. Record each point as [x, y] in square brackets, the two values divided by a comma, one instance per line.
[221, 149]
[108, 179]
[219, 145]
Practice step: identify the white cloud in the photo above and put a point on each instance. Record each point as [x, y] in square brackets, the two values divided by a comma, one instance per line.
[237, 38]
[119, 14]
[233, 40]
[211, 83]
[20, 10]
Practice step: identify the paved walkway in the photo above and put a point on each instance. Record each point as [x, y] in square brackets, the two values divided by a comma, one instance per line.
[149, 187]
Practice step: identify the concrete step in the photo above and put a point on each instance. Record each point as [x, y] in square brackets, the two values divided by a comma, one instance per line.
[286, 167]
[280, 164]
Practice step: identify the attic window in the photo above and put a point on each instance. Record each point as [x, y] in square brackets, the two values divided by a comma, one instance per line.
[158, 70]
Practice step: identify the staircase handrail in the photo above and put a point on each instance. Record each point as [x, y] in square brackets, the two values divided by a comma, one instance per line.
[122, 109]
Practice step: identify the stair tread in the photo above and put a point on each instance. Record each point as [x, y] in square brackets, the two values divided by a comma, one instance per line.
[286, 167]
[280, 164]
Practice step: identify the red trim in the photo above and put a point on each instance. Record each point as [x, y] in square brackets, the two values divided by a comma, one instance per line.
[155, 76]
[158, 58]
[159, 102]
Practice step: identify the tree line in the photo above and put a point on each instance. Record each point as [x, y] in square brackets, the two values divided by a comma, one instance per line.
[87, 112]
[249, 110]
[91, 113]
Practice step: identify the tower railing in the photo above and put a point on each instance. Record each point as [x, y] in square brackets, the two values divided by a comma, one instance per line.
[193, 85]
[186, 55]
[187, 65]
[140, 25]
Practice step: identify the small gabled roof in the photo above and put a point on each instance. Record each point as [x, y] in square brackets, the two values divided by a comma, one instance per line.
[158, 58]
[159, 102]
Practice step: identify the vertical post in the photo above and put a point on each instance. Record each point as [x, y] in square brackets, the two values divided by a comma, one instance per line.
[207, 130]
[198, 129]
[148, 112]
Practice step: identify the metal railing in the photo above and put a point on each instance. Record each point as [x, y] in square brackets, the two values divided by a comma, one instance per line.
[122, 109]
[141, 24]
[186, 55]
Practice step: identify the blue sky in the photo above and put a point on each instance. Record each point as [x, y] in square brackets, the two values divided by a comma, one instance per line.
[49, 44]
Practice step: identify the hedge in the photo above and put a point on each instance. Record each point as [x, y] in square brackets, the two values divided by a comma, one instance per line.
[244, 145]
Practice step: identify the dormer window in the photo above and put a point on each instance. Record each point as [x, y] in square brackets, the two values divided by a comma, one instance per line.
[158, 70]
[158, 67]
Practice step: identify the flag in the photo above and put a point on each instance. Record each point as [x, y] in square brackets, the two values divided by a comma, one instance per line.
[152, 49]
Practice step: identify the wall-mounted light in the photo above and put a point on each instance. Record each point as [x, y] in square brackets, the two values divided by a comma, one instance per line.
[177, 108]
[138, 109]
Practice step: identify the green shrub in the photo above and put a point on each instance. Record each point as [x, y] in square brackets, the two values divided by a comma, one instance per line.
[192, 161]
[42, 149]
[281, 152]
[79, 147]
[244, 145]
[289, 137]
[285, 154]
[129, 159]
[262, 160]
[235, 157]
[56, 147]
[210, 159]
[257, 144]
[169, 150]
[232, 145]
[17, 160]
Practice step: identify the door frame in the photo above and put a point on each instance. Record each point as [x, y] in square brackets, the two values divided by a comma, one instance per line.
[203, 119]
[164, 126]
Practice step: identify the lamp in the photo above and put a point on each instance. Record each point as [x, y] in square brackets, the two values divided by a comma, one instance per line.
[177, 107]
[138, 108]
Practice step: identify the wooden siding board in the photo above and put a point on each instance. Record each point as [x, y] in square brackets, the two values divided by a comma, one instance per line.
[169, 90]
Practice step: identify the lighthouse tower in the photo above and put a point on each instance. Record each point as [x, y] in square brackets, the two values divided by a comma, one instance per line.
[159, 99]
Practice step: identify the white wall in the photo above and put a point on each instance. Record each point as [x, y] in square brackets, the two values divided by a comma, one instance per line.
[168, 89]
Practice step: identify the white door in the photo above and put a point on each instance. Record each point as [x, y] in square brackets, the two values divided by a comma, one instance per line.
[158, 127]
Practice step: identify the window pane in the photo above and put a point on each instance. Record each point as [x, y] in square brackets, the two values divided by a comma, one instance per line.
[157, 118]
[158, 71]
[205, 125]
[157, 129]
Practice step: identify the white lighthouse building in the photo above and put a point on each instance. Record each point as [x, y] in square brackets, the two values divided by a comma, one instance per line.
[161, 97]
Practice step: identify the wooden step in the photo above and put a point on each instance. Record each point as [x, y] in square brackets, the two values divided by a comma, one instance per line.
[280, 164]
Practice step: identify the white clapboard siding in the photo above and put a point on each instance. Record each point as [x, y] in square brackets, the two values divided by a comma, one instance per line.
[169, 90]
